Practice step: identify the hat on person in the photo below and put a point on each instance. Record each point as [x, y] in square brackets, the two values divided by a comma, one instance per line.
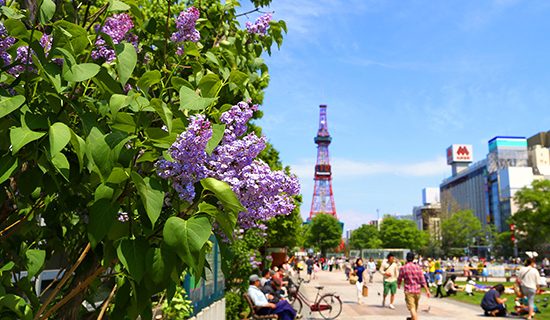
[410, 256]
[254, 278]
[438, 271]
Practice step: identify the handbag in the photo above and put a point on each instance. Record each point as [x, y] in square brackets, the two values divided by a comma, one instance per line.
[365, 291]
[353, 279]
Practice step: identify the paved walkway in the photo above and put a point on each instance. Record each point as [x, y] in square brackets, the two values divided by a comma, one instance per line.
[433, 309]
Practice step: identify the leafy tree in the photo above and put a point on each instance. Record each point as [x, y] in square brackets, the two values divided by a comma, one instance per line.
[532, 219]
[397, 233]
[84, 118]
[283, 231]
[324, 233]
[460, 230]
[365, 237]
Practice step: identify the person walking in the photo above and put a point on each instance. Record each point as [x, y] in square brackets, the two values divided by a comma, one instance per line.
[359, 269]
[330, 264]
[529, 280]
[371, 269]
[390, 270]
[411, 275]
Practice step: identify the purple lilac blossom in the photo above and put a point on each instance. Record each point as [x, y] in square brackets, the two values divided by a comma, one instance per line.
[185, 28]
[5, 43]
[118, 28]
[260, 26]
[2, 3]
[263, 192]
[189, 155]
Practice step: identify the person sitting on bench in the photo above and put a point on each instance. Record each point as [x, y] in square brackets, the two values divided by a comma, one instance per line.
[282, 308]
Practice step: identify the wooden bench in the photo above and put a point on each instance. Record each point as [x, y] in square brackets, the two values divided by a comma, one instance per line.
[254, 309]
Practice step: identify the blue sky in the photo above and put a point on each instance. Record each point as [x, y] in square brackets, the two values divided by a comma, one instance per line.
[403, 80]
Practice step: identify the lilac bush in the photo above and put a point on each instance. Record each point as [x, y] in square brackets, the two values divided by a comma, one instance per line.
[185, 25]
[263, 192]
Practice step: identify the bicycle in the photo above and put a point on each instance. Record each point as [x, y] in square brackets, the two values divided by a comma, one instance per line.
[328, 305]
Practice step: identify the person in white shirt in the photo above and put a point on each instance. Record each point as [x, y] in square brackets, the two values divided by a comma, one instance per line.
[390, 270]
[283, 309]
[371, 269]
[528, 278]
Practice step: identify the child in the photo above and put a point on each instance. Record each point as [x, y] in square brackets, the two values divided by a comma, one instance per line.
[439, 283]
[469, 288]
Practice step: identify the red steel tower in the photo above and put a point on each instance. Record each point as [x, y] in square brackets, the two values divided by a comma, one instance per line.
[323, 199]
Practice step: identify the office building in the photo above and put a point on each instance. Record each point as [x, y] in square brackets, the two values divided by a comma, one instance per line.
[428, 215]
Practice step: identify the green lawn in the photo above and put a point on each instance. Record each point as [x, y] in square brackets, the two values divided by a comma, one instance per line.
[543, 306]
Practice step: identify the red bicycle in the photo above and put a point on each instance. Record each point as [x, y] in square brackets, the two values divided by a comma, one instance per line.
[328, 305]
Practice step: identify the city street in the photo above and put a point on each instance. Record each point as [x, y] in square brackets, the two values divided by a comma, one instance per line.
[371, 309]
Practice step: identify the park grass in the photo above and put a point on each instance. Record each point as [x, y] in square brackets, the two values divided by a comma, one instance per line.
[476, 299]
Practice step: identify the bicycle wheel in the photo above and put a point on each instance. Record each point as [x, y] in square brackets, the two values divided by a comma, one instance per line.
[330, 306]
[296, 304]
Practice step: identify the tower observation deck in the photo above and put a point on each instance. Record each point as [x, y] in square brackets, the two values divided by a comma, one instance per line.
[323, 199]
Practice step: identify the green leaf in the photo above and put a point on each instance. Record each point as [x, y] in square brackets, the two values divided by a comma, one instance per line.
[17, 305]
[160, 264]
[178, 82]
[117, 102]
[148, 79]
[34, 260]
[164, 112]
[226, 220]
[81, 72]
[217, 136]
[17, 29]
[118, 175]
[210, 85]
[132, 254]
[223, 192]
[60, 135]
[126, 60]
[79, 147]
[151, 194]
[11, 13]
[20, 137]
[102, 214]
[189, 99]
[47, 10]
[187, 237]
[117, 5]
[239, 78]
[8, 165]
[61, 164]
[98, 151]
[69, 36]
[8, 105]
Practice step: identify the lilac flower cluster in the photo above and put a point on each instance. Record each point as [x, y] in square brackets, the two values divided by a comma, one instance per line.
[2, 3]
[263, 192]
[5, 43]
[260, 26]
[118, 28]
[189, 155]
[186, 31]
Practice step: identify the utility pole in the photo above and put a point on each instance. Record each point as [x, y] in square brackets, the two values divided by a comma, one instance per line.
[378, 219]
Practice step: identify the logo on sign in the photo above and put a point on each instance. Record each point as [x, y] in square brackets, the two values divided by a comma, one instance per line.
[463, 151]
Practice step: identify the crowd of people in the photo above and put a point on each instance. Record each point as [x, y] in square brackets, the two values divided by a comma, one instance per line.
[268, 292]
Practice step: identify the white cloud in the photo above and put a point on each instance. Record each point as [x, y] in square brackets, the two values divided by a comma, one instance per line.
[349, 168]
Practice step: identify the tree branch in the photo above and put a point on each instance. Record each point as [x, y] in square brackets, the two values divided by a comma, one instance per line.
[66, 277]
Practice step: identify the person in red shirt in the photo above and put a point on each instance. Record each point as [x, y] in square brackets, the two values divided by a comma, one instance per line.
[413, 278]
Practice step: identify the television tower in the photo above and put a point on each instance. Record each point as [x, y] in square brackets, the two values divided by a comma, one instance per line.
[323, 199]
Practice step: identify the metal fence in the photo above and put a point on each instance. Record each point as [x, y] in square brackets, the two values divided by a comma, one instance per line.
[204, 293]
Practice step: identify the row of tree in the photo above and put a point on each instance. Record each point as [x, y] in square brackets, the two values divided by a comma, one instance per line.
[462, 229]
